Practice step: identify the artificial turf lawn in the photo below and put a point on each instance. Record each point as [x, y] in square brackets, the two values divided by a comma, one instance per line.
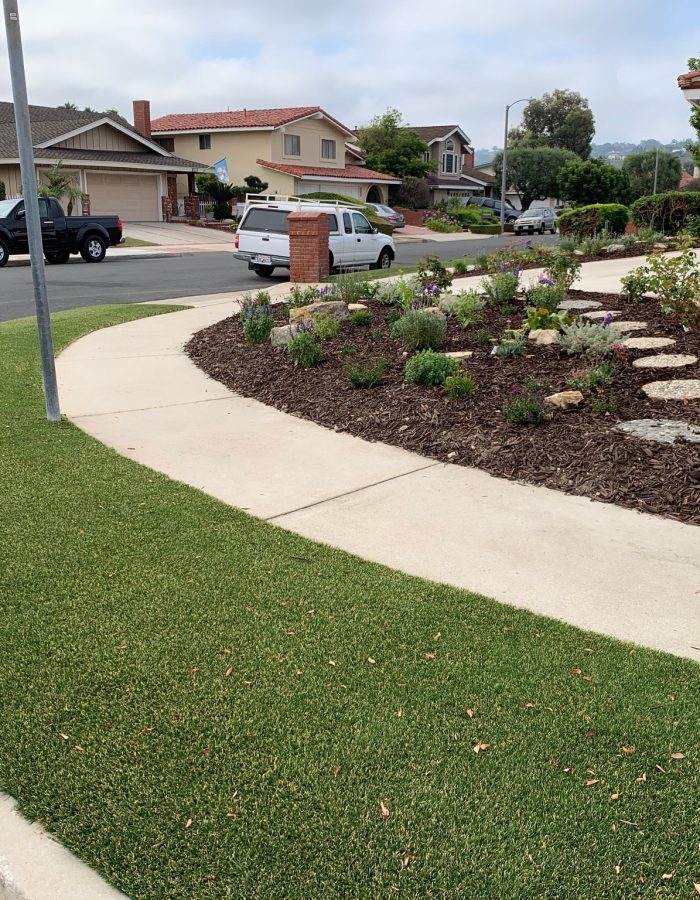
[168, 660]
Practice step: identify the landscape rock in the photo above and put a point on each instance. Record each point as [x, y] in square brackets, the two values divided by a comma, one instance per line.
[614, 248]
[660, 246]
[647, 343]
[354, 307]
[281, 335]
[459, 355]
[336, 308]
[631, 326]
[665, 431]
[564, 399]
[543, 337]
[580, 304]
[673, 390]
[665, 361]
[435, 311]
[579, 253]
[600, 314]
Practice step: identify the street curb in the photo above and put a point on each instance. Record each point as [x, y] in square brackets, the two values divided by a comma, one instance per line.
[34, 866]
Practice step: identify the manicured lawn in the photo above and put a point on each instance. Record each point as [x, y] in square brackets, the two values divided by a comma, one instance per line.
[373, 274]
[202, 705]
[136, 242]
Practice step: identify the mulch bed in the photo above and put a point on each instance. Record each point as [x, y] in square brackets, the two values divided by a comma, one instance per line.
[576, 451]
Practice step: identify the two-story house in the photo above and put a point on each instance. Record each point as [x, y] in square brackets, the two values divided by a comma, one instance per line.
[297, 150]
[451, 151]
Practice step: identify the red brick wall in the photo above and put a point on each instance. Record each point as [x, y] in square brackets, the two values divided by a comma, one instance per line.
[308, 247]
[85, 204]
[192, 206]
[412, 216]
[142, 117]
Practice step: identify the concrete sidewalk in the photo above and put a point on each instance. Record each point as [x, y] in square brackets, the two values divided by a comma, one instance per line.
[597, 566]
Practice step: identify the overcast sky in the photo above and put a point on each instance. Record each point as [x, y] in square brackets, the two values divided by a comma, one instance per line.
[357, 58]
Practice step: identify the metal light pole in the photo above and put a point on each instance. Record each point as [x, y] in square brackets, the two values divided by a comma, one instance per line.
[656, 170]
[505, 156]
[31, 207]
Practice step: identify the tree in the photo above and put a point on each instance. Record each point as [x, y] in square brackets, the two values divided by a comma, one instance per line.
[586, 181]
[60, 184]
[412, 192]
[560, 119]
[639, 168]
[393, 148]
[694, 148]
[68, 105]
[533, 171]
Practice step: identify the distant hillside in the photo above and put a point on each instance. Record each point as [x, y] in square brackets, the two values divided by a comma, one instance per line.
[614, 152]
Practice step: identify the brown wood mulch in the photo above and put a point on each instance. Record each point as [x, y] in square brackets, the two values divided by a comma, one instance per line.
[576, 451]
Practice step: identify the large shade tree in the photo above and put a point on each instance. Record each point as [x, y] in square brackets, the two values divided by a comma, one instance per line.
[393, 148]
[532, 172]
[585, 181]
[639, 168]
[560, 119]
[694, 147]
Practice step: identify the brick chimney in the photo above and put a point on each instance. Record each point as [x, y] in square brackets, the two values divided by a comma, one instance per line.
[469, 159]
[142, 117]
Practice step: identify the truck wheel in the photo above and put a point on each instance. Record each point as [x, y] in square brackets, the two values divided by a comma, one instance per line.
[264, 271]
[4, 255]
[57, 259]
[384, 260]
[94, 248]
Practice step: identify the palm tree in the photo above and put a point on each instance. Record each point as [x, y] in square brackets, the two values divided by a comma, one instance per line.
[59, 184]
[68, 105]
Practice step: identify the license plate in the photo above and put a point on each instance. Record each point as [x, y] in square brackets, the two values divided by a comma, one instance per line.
[261, 260]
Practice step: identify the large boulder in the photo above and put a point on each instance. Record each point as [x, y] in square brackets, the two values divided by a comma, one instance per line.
[543, 337]
[281, 336]
[336, 308]
[564, 399]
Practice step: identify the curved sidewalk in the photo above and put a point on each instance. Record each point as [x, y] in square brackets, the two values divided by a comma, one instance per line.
[597, 566]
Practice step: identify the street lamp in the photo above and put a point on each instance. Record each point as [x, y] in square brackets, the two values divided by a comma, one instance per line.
[505, 154]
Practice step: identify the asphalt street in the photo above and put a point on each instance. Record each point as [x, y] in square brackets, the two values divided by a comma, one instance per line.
[133, 280]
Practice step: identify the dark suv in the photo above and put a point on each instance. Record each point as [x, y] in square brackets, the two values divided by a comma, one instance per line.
[495, 206]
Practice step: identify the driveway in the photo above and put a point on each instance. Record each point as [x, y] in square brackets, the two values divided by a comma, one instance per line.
[172, 234]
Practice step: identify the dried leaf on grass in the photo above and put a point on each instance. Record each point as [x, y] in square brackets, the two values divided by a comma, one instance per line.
[384, 810]
[481, 747]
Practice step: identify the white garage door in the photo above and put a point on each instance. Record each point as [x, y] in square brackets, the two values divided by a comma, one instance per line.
[133, 197]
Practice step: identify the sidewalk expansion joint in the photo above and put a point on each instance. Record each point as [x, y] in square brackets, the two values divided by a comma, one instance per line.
[358, 490]
[120, 412]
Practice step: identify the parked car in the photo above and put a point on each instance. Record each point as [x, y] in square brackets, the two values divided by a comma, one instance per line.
[495, 206]
[537, 218]
[386, 212]
[263, 236]
[62, 235]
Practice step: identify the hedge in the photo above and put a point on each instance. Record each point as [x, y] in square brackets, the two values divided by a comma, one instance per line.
[666, 212]
[588, 220]
[377, 221]
[485, 229]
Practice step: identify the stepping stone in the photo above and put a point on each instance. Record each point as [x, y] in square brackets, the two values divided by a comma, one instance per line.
[673, 390]
[647, 343]
[580, 304]
[630, 326]
[665, 431]
[600, 314]
[356, 307]
[460, 354]
[665, 361]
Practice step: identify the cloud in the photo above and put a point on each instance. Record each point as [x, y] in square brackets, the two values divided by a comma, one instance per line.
[461, 65]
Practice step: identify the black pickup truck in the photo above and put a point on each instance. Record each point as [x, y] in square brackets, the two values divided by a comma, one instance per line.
[62, 235]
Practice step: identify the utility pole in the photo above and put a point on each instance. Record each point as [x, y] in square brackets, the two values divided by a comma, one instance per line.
[31, 207]
[504, 181]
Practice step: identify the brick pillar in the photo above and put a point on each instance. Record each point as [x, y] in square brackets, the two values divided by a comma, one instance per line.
[172, 191]
[85, 204]
[192, 206]
[166, 205]
[308, 247]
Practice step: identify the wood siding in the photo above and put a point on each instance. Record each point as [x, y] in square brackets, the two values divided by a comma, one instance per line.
[103, 138]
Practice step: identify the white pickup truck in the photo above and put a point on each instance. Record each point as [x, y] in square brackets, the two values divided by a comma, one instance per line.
[263, 238]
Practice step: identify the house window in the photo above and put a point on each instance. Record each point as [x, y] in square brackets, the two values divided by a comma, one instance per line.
[426, 156]
[167, 144]
[450, 159]
[292, 145]
[327, 149]
[205, 142]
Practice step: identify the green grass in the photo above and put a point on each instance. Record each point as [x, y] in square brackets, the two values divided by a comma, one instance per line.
[166, 659]
[136, 242]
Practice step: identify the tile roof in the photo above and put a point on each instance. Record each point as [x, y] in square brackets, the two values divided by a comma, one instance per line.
[689, 80]
[351, 172]
[49, 122]
[238, 119]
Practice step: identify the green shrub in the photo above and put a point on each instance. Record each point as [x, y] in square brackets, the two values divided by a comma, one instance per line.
[563, 269]
[419, 330]
[483, 336]
[692, 227]
[512, 343]
[428, 367]
[361, 317]
[526, 405]
[600, 376]
[666, 212]
[589, 220]
[443, 227]
[588, 337]
[468, 307]
[305, 349]
[604, 403]
[299, 296]
[460, 385]
[545, 295]
[500, 288]
[460, 267]
[676, 281]
[432, 270]
[256, 316]
[399, 293]
[541, 317]
[486, 228]
[326, 326]
[354, 287]
[365, 373]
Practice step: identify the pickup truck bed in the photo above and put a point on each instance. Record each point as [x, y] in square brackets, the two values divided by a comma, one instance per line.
[62, 235]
